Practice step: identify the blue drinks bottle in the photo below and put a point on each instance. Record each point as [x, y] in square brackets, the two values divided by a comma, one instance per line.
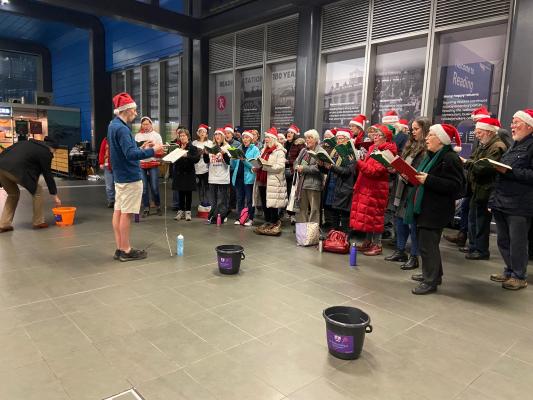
[353, 255]
[179, 249]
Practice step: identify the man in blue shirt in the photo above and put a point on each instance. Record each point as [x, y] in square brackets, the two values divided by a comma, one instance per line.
[125, 156]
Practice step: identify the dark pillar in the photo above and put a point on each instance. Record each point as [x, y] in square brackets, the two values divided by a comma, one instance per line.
[307, 66]
[518, 92]
[200, 82]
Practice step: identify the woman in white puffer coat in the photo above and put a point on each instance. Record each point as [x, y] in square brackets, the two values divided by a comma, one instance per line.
[270, 188]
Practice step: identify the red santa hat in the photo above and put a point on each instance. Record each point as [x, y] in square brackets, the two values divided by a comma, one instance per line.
[281, 137]
[383, 129]
[249, 134]
[294, 129]
[479, 113]
[360, 121]
[272, 133]
[146, 118]
[219, 131]
[525, 115]
[229, 128]
[330, 132]
[204, 126]
[123, 102]
[344, 132]
[488, 124]
[403, 123]
[390, 117]
[446, 133]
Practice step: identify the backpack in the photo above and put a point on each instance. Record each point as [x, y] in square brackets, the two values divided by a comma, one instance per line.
[244, 216]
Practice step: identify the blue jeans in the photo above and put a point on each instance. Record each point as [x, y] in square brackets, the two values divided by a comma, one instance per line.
[151, 179]
[403, 231]
[244, 195]
[463, 214]
[109, 185]
[479, 219]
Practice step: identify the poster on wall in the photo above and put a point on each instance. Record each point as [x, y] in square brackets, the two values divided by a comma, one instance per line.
[251, 98]
[463, 88]
[400, 90]
[283, 95]
[342, 92]
[223, 99]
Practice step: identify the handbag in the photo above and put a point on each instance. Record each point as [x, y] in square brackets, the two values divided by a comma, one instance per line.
[244, 216]
[307, 233]
[336, 242]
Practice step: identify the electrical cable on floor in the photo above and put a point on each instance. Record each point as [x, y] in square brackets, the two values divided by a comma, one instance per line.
[165, 215]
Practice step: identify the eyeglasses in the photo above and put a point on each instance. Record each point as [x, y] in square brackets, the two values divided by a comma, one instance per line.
[516, 123]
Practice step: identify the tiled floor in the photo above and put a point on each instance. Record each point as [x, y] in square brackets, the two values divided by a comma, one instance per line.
[74, 324]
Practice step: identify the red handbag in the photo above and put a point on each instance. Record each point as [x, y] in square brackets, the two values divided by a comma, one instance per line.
[336, 242]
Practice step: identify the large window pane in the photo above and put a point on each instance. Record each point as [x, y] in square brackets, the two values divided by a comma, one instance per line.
[119, 82]
[470, 73]
[223, 99]
[18, 76]
[173, 90]
[136, 85]
[152, 86]
[343, 89]
[282, 97]
[251, 98]
[399, 79]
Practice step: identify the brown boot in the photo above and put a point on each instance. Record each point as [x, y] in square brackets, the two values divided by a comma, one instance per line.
[514, 284]
[459, 239]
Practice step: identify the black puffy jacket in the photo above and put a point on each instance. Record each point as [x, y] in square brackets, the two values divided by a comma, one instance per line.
[513, 191]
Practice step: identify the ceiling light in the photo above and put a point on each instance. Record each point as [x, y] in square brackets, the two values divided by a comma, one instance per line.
[4, 2]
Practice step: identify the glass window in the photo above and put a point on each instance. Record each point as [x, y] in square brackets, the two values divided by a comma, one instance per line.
[136, 85]
[469, 76]
[173, 94]
[152, 88]
[283, 94]
[251, 98]
[223, 99]
[19, 76]
[119, 82]
[343, 88]
[399, 79]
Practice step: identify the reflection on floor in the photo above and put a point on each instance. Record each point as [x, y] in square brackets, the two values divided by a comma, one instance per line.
[74, 324]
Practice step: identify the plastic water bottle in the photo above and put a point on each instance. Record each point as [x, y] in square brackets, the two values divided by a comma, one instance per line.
[320, 245]
[353, 255]
[136, 217]
[219, 220]
[179, 249]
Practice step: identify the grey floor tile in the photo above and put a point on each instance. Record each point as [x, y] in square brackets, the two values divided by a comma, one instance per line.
[141, 314]
[16, 350]
[321, 389]
[246, 318]
[174, 304]
[101, 323]
[175, 386]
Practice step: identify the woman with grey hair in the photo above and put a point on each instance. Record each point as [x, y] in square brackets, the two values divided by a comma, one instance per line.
[311, 180]
[413, 154]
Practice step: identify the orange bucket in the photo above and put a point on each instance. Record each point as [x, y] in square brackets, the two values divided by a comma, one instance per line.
[64, 216]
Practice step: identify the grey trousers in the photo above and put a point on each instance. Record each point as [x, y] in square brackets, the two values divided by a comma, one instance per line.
[309, 206]
[512, 241]
[428, 247]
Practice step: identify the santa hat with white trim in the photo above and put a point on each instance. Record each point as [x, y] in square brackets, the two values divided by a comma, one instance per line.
[488, 124]
[446, 133]
[281, 138]
[525, 115]
[360, 121]
[249, 134]
[479, 113]
[294, 129]
[344, 132]
[203, 126]
[123, 102]
[272, 133]
[219, 131]
[403, 123]
[390, 117]
[329, 133]
[228, 128]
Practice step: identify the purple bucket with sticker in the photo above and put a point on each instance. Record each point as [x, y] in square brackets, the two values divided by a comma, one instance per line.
[229, 257]
[345, 331]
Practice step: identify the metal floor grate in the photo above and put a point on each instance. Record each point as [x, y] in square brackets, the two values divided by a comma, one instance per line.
[130, 394]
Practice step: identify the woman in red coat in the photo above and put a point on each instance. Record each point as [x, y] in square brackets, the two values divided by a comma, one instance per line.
[371, 193]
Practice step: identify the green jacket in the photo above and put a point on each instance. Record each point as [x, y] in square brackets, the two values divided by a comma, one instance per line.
[481, 174]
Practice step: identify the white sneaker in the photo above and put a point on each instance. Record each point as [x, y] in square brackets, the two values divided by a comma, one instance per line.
[250, 222]
[179, 215]
[293, 219]
[237, 222]
[188, 216]
[226, 220]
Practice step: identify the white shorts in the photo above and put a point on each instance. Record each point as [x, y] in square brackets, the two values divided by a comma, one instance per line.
[128, 197]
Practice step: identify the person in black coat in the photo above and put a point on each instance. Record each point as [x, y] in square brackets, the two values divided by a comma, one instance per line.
[338, 190]
[184, 176]
[22, 164]
[432, 204]
[511, 203]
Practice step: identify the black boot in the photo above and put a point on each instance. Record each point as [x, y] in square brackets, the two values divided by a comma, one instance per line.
[412, 263]
[398, 255]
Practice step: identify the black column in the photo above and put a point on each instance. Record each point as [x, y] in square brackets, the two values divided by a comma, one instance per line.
[307, 66]
[200, 82]
[518, 92]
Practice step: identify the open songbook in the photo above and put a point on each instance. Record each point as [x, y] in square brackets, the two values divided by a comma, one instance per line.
[496, 163]
[346, 150]
[214, 149]
[259, 162]
[321, 156]
[174, 155]
[235, 152]
[388, 159]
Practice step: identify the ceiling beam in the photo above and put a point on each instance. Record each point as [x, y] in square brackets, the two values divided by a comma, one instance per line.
[134, 12]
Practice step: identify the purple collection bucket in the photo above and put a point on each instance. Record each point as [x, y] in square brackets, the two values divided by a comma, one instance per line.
[229, 257]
